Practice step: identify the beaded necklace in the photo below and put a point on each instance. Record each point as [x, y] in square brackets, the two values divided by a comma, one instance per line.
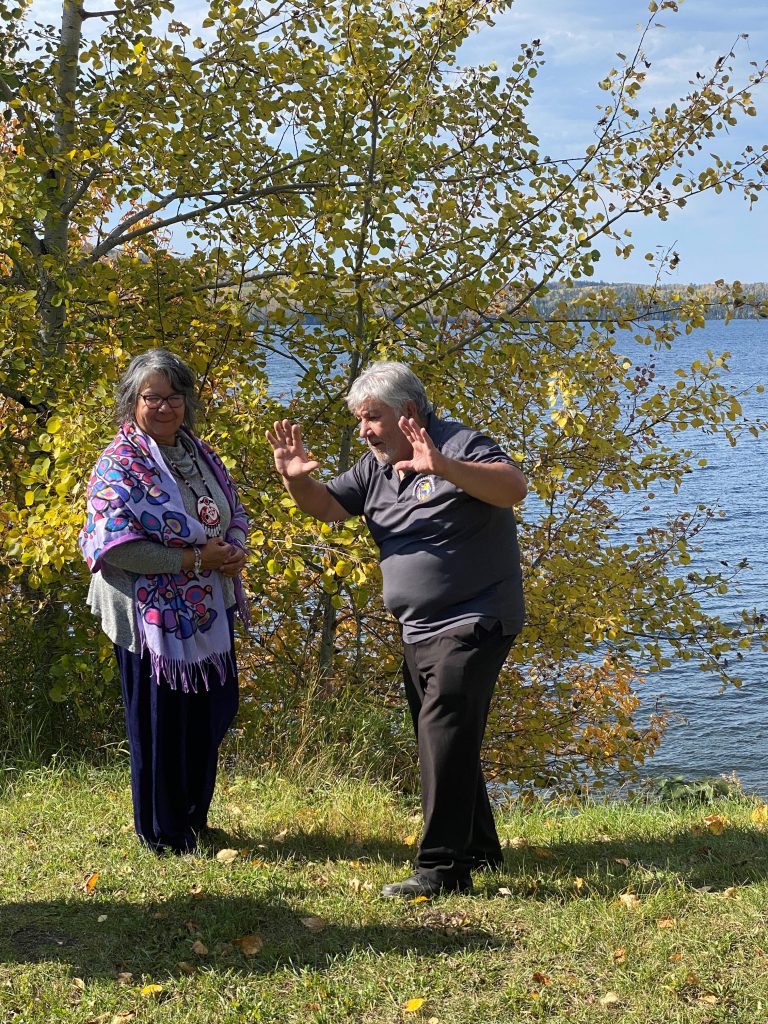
[207, 510]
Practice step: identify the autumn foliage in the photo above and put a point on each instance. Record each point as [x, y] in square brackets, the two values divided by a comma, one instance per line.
[323, 191]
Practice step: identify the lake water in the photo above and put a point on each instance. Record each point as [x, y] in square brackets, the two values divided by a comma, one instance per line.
[711, 733]
[715, 733]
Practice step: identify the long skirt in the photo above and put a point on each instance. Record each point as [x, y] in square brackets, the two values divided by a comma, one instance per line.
[174, 739]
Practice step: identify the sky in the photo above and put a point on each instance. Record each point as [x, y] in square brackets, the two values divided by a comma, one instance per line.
[716, 236]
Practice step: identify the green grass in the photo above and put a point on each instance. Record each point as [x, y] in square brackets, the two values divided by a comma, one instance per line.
[554, 942]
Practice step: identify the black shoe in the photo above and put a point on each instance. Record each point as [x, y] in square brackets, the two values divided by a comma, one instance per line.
[420, 885]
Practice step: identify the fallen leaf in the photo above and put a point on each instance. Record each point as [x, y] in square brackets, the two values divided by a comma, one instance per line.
[716, 823]
[101, 918]
[578, 883]
[433, 1020]
[760, 814]
[621, 860]
[504, 891]
[410, 840]
[234, 810]
[610, 999]
[78, 983]
[419, 899]
[200, 948]
[151, 990]
[281, 836]
[192, 926]
[227, 856]
[667, 922]
[676, 957]
[518, 843]
[629, 900]
[160, 915]
[541, 979]
[709, 998]
[123, 1018]
[315, 924]
[692, 978]
[250, 945]
[125, 978]
[619, 956]
[185, 967]
[196, 891]
[355, 884]
[412, 1005]
[91, 881]
[542, 851]
[730, 891]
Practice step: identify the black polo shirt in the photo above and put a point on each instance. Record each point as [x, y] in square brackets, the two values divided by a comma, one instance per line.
[446, 558]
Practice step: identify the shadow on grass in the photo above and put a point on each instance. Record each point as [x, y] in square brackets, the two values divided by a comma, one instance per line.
[302, 846]
[156, 938]
[693, 859]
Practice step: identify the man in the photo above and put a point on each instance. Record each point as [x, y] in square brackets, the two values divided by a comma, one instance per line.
[437, 498]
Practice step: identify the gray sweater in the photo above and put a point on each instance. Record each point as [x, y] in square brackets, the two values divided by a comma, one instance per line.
[110, 595]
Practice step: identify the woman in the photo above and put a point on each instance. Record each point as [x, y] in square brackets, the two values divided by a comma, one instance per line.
[165, 541]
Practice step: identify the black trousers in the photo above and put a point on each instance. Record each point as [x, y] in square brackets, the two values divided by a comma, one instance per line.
[174, 739]
[449, 680]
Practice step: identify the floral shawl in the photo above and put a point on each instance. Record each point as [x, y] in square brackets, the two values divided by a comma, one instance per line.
[181, 617]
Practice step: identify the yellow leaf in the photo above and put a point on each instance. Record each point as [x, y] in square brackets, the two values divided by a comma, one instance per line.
[315, 924]
[413, 1005]
[90, 881]
[610, 999]
[419, 899]
[112, 298]
[716, 823]
[250, 945]
[760, 814]
[410, 840]
[629, 900]
[227, 856]
[730, 891]
[151, 990]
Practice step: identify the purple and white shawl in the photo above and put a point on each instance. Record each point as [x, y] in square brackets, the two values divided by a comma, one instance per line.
[181, 617]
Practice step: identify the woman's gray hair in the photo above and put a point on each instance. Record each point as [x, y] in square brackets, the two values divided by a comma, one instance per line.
[175, 371]
[391, 383]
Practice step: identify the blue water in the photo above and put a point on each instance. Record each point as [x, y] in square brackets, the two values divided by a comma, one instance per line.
[710, 733]
[715, 733]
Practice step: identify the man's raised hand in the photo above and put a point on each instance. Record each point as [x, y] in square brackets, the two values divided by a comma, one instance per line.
[291, 460]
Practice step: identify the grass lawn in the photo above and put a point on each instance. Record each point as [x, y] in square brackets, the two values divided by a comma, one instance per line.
[602, 913]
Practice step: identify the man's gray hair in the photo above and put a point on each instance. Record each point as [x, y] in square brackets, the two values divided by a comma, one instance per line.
[175, 371]
[391, 383]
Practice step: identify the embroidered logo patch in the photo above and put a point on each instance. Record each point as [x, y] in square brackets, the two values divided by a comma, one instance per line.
[425, 488]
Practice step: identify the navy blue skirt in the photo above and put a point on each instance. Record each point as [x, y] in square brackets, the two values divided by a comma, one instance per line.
[174, 739]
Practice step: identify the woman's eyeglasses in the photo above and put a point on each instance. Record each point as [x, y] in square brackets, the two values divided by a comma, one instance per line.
[155, 401]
